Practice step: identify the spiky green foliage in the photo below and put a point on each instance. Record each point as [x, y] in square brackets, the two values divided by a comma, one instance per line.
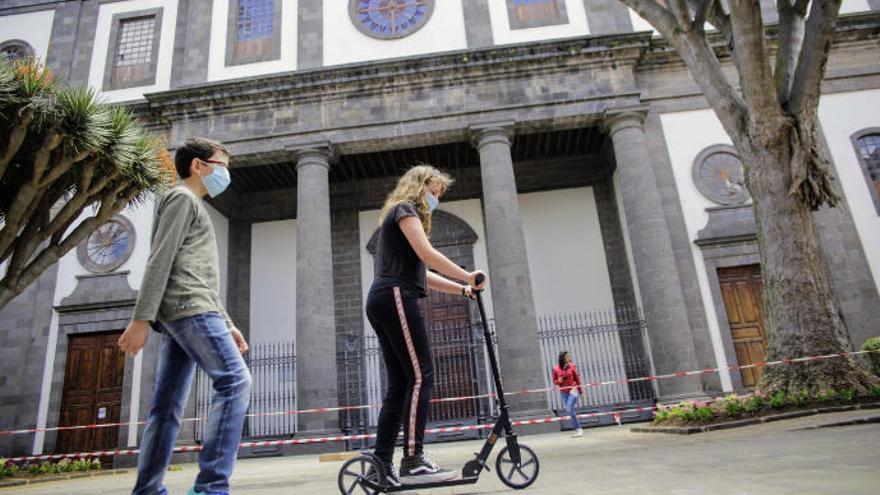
[63, 150]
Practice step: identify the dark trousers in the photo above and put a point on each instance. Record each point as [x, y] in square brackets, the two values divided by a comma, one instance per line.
[398, 323]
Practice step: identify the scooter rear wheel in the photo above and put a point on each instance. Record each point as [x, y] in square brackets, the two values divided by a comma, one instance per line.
[354, 474]
[517, 476]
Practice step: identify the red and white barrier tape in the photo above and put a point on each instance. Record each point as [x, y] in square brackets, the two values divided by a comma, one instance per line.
[339, 438]
[787, 361]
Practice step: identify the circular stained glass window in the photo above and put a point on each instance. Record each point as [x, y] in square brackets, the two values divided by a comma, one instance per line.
[16, 50]
[108, 247]
[390, 19]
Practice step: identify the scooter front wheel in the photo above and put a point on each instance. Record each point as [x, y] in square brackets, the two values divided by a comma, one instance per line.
[362, 475]
[517, 475]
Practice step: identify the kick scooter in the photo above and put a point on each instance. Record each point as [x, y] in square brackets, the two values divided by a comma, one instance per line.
[516, 464]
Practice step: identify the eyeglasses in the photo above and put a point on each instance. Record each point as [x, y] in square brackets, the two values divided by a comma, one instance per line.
[216, 162]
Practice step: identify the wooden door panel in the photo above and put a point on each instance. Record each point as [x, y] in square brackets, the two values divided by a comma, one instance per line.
[92, 392]
[750, 352]
[447, 320]
[741, 292]
[729, 294]
[747, 303]
[748, 332]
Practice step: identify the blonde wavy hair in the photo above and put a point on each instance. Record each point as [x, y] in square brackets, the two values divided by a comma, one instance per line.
[410, 188]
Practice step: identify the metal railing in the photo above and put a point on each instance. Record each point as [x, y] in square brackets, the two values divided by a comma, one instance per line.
[273, 370]
[606, 346]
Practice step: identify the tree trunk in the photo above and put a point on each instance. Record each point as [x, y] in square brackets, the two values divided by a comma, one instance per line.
[802, 313]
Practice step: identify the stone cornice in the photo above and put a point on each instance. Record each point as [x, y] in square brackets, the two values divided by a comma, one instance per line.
[455, 68]
[851, 29]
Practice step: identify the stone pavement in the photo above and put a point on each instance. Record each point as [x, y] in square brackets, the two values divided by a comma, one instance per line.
[785, 457]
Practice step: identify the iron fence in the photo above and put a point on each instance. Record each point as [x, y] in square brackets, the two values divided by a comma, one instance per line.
[273, 370]
[606, 346]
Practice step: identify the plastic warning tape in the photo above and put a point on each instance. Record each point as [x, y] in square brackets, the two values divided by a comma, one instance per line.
[623, 381]
[330, 439]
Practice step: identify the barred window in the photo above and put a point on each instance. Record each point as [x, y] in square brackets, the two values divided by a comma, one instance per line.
[134, 49]
[868, 148]
[256, 19]
[136, 41]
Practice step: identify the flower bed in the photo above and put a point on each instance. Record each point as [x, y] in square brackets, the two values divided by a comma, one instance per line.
[740, 407]
[10, 469]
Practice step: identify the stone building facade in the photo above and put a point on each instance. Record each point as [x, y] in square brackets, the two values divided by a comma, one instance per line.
[584, 158]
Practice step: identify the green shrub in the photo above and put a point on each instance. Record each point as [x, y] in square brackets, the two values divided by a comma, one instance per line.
[848, 394]
[800, 398]
[65, 465]
[732, 406]
[874, 390]
[826, 395]
[7, 468]
[873, 344]
[703, 413]
[682, 412]
[753, 403]
[661, 416]
[777, 400]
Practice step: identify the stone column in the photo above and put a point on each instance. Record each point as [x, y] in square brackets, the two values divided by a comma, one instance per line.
[315, 327]
[672, 342]
[192, 42]
[509, 281]
[238, 275]
[607, 17]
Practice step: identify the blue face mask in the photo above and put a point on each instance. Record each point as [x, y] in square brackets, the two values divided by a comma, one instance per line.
[433, 202]
[217, 181]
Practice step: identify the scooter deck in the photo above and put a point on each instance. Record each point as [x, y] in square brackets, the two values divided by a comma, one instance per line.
[415, 486]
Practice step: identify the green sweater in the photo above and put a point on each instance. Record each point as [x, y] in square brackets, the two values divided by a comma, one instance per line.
[183, 273]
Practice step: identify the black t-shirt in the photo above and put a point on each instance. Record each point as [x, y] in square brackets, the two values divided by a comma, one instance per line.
[396, 262]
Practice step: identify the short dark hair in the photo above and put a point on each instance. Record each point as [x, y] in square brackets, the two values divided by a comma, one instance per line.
[201, 148]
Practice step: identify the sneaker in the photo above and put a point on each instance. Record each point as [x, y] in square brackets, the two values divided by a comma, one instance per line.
[391, 476]
[193, 491]
[419, 469]
[578, 433]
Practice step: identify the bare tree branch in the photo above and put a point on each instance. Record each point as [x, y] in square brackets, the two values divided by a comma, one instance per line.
[697, 53]
[791, 37]
[656, 14]
[806, 85]
[702, 13]
[800, 5]
[15, 139]
[750, 56]
[682, 12]
[111, 203]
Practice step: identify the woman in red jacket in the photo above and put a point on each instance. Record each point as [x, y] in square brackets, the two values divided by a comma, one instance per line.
[568, 380]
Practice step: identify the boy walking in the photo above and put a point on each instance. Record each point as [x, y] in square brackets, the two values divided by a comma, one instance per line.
[180, 292]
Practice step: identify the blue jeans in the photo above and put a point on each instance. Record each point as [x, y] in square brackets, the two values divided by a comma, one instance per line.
[570, 401]
[203, 340]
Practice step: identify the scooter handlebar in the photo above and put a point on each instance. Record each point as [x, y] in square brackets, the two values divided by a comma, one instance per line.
[479, 278]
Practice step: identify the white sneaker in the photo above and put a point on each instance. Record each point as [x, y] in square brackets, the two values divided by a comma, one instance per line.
[577, 434]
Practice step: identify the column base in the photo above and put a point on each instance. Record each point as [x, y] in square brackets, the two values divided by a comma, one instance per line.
[685, 387]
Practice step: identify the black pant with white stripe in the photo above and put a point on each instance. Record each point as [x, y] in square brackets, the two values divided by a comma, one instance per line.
[397, 320]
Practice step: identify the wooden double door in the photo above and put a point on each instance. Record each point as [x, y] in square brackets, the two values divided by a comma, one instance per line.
[741, 290]
[92, 394]
[447, 318]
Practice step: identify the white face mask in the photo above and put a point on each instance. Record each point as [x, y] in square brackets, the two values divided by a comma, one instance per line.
[433, 202]
[217, 181]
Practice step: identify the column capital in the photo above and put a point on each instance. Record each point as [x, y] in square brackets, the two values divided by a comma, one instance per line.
[316, 153]
[482, 134]
[616, 120]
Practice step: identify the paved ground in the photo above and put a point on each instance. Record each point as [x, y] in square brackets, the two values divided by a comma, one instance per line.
[776, 458]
